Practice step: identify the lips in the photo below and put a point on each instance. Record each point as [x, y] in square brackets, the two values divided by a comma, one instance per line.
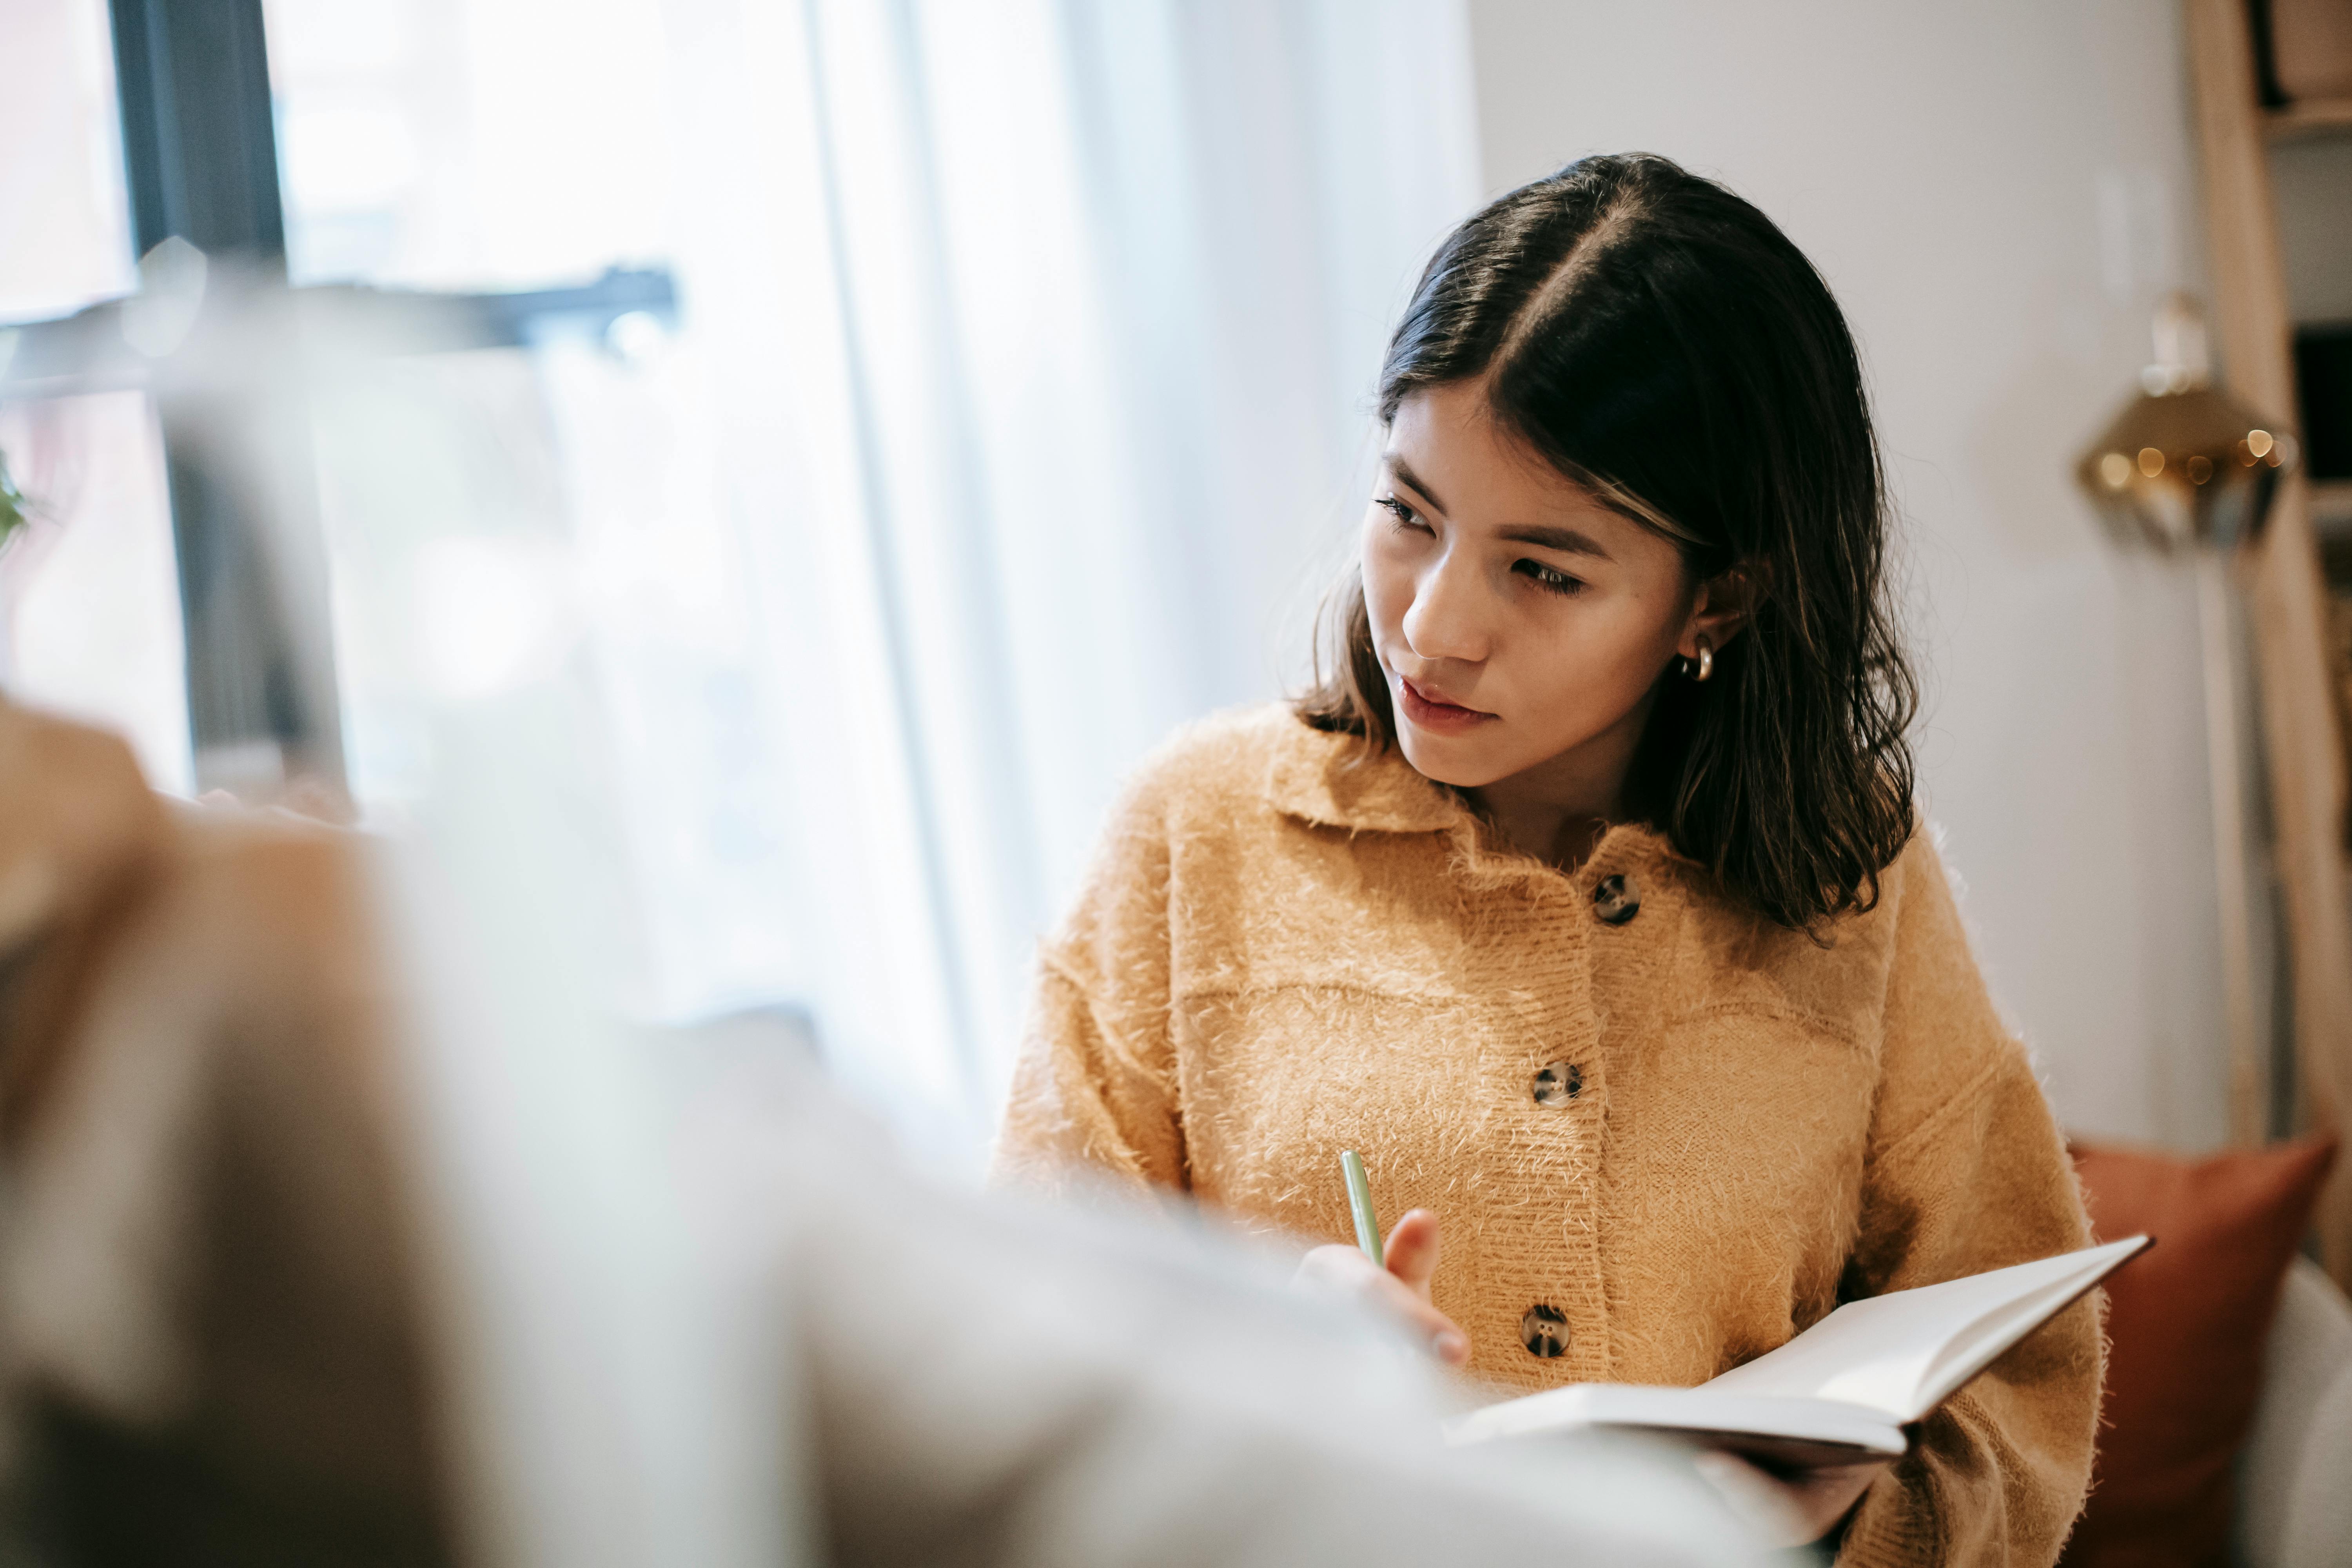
[1428, 710]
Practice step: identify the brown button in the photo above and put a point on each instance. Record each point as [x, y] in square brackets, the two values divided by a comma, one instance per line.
[1558, 1083]
[1544, 1331]
[1616, 900]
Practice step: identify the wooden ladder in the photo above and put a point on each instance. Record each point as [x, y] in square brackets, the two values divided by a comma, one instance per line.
[2285, 588]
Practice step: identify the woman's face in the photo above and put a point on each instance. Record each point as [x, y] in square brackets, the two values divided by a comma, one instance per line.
[1518, 620]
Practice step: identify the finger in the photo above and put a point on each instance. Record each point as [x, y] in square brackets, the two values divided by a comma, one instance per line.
[1411, 1250]
[1445, 1341]
[1335, 1267]
[1827, 1495]
[1347, 1270]
[1792, 1511]
[1754, 1498]
[312, 797]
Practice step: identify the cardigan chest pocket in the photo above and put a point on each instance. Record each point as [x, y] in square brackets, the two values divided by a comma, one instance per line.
[1745, 1130]
[1275, 1079]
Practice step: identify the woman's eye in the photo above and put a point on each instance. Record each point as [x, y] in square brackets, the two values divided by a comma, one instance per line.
[1547, 577]
[1406, 517]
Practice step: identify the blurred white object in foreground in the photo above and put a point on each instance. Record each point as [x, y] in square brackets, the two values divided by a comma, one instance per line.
[988, 1384]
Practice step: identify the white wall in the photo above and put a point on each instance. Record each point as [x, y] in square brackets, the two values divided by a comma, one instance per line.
[1998, 192]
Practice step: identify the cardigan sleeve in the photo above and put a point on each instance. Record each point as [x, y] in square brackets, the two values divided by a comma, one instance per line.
[1965, 1172]
[1094, 1092]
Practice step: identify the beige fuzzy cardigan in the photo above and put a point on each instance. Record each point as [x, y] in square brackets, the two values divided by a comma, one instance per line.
[1664, 1135]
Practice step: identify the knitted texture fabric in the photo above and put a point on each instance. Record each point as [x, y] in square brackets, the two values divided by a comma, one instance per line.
[1286, 948]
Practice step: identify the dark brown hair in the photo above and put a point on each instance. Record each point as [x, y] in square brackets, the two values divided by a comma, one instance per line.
[1661, 342]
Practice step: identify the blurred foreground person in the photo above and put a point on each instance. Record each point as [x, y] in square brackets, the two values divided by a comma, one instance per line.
[226, 1283]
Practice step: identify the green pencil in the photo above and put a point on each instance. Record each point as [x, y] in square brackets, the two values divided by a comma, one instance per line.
[1360, 1203]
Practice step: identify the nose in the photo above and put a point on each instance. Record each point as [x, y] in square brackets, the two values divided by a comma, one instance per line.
[1447, 617]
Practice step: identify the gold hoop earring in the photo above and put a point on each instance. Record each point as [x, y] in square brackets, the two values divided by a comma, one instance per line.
[1702, 666]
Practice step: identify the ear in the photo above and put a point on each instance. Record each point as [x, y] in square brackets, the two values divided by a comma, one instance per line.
[1720, 608]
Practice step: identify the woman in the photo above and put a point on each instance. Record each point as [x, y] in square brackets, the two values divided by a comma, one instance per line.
[1584, 897]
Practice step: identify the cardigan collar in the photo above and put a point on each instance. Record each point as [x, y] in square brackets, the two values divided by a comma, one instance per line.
[1335, 781]
[1332, 781]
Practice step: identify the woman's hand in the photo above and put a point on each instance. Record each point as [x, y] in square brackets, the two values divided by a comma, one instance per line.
[1402, 1290]
[1796, 1511]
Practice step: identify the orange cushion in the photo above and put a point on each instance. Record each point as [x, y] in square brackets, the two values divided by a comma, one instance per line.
[2187, 1321]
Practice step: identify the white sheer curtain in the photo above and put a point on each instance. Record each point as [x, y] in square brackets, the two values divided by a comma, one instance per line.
[1037, 341]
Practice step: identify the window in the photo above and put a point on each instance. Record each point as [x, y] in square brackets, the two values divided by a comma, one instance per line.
[67, 241]
[89, 595]
[492, 145]
[423, 148]
[89, 616]
[195, 160]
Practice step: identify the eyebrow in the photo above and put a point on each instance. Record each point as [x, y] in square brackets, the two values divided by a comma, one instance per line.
[1566, 541]
[1402, 471]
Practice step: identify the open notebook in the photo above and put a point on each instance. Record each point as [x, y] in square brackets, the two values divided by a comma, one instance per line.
[1840, 1392]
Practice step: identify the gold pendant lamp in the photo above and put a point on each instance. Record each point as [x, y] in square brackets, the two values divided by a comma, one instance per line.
[2187, 470]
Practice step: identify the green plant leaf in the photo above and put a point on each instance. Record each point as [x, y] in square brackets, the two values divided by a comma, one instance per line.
[14, 507]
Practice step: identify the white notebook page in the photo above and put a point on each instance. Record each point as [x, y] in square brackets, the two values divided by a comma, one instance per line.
[1891, 1352]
